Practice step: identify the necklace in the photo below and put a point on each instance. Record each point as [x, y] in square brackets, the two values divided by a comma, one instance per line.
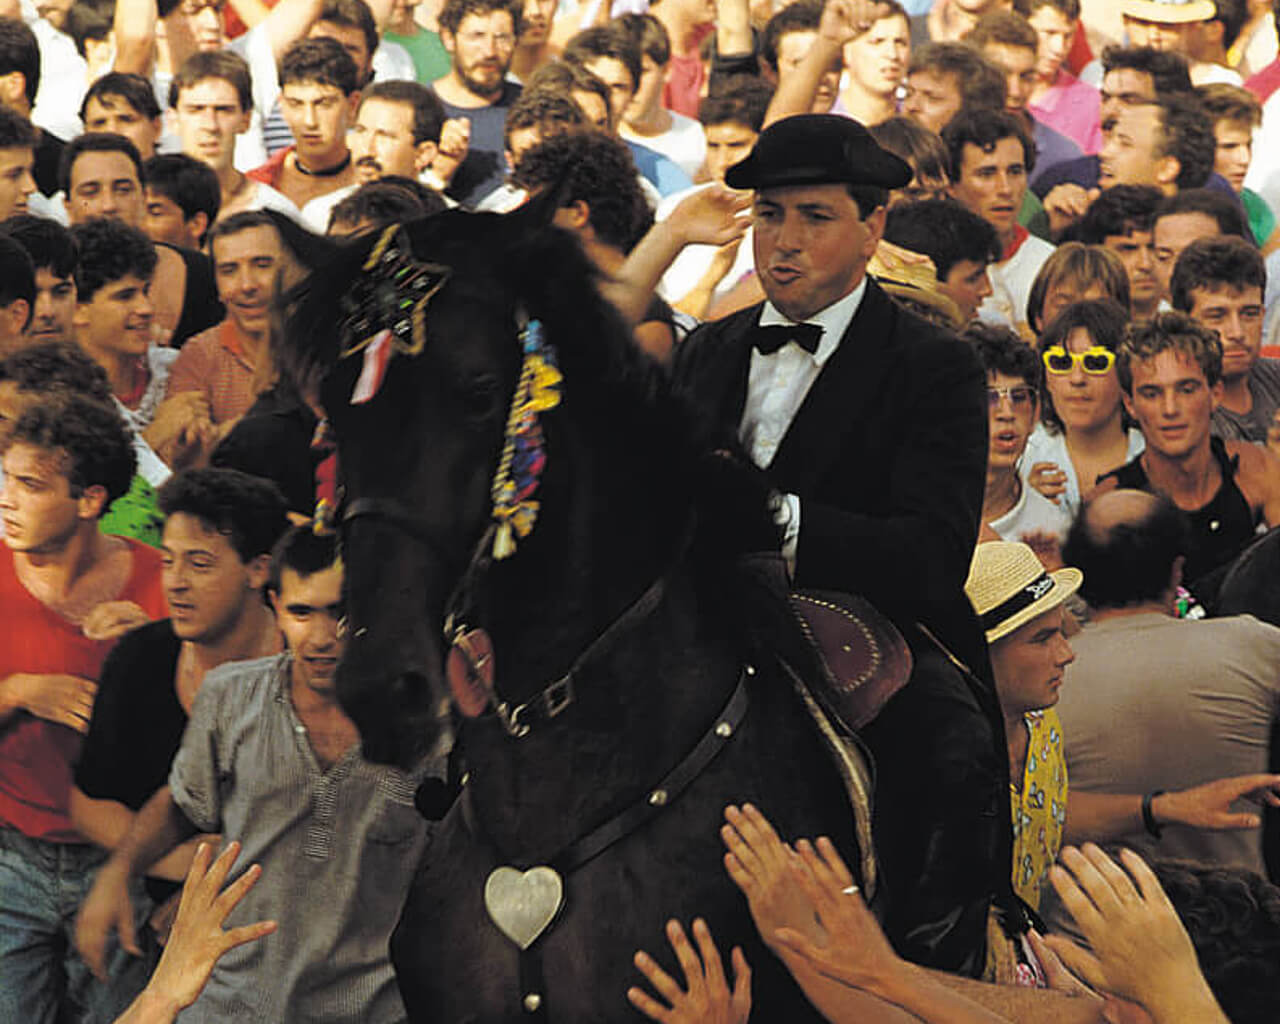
[327, 172]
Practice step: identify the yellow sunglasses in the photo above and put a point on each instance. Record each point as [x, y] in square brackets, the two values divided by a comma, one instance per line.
[1096, 360]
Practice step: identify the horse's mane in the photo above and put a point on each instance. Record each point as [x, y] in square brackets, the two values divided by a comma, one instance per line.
[524, 262]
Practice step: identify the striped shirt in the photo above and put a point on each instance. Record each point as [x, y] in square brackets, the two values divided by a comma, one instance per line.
[338, 849]
[217, 363]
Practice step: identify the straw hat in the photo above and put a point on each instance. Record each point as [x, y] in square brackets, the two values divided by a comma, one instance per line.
[1008, 587]
[911, 275]
[1169, 12]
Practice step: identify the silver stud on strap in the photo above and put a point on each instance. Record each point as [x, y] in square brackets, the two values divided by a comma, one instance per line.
[724, 730]
[532, 1002]
[658, 797]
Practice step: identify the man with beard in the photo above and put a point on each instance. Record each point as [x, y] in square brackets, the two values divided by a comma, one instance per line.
[480, 36]
[396, 132]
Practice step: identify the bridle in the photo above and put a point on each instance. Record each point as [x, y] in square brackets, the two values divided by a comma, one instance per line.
[515, 481]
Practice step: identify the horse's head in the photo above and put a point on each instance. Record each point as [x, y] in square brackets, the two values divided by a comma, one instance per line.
[420, 415]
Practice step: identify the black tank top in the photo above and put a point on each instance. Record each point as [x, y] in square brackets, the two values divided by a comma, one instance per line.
[1220, 529]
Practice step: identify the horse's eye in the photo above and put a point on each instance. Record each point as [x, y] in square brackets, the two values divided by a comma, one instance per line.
[481, 399]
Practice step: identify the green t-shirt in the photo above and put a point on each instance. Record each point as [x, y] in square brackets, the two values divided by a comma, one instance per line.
[1261, 220]
[135, 514]
[1031, 215]
[430, 58]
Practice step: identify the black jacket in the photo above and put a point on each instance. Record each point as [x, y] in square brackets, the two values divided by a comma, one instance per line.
[888, 456]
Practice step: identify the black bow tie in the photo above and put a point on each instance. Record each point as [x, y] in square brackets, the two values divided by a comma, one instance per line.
[771, 338]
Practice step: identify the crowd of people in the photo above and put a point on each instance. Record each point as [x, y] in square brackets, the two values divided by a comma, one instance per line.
[983, 292]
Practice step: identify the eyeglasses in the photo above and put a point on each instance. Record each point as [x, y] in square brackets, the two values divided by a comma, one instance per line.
[1019, 396]
[1096, 360]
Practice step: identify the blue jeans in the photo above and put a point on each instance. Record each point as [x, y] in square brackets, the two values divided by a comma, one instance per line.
[42, 978]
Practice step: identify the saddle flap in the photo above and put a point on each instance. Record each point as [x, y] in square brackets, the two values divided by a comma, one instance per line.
[864, 658]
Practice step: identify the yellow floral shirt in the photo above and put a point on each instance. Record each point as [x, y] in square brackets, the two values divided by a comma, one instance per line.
[1039, 806]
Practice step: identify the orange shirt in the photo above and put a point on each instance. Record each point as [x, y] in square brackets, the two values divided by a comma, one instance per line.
[214, 362]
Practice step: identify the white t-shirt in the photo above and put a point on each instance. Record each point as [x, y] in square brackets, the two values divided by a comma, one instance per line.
[64, 79]
[1033, 513]
[1043, 446]
[267, 198]
[1264, 171]
[315, 212]
[1011, 281]
[255, 47]
[693, 260]
[684, 143]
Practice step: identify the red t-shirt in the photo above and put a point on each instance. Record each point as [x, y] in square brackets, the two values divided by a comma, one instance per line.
[37, 756]
[685, 74]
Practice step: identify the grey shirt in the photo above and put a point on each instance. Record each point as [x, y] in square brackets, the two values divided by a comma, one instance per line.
[1153, 702]
[1264, 389]
[338, 849]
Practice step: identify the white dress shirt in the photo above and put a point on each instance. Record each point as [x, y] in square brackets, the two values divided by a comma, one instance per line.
[779, 381]
[776, 388]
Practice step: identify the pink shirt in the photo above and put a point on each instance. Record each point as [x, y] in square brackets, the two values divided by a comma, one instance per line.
[1071, 107]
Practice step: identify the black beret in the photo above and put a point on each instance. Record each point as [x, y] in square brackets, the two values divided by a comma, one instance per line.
[818, 149]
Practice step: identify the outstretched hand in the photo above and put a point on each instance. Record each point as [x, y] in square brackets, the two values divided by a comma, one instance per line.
[1209, 806]
[760, 865]
[1140, 949]
[705, 998]
[197, 938]
[711, 216]
[855, 951]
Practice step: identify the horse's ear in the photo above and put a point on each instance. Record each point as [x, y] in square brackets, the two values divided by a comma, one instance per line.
[539, 210]
[309, 251]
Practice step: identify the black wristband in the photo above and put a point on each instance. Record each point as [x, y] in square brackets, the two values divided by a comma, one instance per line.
[1148, 817]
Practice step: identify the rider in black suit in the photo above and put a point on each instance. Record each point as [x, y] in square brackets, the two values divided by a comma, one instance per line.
[880, 463]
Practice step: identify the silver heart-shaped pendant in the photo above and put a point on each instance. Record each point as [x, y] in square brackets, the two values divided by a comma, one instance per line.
[523, 903]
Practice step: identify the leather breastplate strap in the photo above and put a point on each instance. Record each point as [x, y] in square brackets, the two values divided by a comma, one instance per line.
[674, 783]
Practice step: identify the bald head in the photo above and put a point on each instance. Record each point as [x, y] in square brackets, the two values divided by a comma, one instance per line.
[1130, 546]
[1118, 508]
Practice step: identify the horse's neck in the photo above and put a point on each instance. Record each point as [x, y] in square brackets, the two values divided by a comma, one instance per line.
[639, 707]
[602, 537]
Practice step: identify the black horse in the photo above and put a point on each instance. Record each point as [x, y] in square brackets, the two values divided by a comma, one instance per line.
[639, 684]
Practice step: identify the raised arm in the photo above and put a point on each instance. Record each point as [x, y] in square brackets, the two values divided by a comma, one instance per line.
[289, 21]
[134, 30]
[842, 20]
[711, 215]
[733, 27]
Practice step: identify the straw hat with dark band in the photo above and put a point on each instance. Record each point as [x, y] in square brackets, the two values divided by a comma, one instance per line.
[1169, 12]
[1008, 587]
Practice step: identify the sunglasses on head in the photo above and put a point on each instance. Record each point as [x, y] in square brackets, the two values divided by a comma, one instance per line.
[1020, 396]
[1096, 360]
